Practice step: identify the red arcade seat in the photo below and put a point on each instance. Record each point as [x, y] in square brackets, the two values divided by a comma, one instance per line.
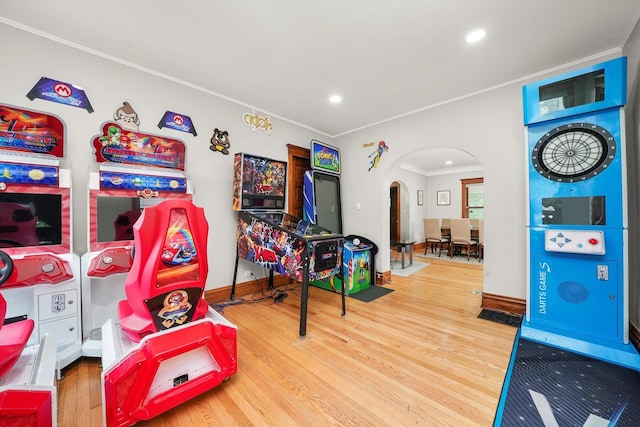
[170, 346]
[13, 339]
[165, 286]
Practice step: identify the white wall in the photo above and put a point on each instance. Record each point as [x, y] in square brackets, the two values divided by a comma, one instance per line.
[107, 85]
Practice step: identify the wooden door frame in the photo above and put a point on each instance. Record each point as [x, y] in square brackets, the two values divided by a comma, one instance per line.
[465, 197]
[294, 151]
[398, 210]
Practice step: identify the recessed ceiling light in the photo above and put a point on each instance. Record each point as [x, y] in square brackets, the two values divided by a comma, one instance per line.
[335, 99]
[475, 36]
[448, 162]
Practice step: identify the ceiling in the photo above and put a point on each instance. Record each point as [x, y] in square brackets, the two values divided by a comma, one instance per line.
[285, 58]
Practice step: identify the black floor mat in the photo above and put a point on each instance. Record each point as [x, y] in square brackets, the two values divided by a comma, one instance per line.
[500, 317]
[371, 293]
[552, 386]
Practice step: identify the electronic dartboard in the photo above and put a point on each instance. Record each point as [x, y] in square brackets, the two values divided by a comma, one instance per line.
[573, 152]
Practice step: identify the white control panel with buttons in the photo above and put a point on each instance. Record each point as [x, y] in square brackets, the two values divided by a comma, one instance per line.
[589, 242]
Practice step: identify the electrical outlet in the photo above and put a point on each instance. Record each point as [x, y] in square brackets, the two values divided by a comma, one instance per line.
[247, 274]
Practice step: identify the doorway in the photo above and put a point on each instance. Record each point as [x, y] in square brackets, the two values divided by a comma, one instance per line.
[394, 212]
[299, 163]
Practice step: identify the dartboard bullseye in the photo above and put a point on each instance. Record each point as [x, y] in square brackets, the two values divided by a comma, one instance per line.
[573, 152]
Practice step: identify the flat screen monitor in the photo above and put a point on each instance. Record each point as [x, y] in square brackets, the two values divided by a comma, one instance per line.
[35, 220]
[328, 203]
[113, 214]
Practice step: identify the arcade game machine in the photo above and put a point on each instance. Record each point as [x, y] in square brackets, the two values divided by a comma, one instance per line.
[323, 206]
[577, 296]
[35, 230]
[136, 170]
[276, 240]
[169, 346]
[27, 373]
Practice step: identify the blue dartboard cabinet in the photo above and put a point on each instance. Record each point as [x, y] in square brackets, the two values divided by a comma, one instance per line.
[577, 215]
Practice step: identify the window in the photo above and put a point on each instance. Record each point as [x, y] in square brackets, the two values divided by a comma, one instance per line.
[473, 198]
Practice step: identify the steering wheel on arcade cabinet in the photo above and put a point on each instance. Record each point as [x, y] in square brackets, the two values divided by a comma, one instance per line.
[7, 268]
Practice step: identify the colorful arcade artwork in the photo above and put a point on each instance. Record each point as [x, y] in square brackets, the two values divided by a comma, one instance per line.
[325, 157]
[118, 145]
[179, 251]
[259, 183]
[264, 240]
[30, 132]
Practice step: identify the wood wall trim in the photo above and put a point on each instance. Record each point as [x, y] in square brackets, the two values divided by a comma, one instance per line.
[505, 304]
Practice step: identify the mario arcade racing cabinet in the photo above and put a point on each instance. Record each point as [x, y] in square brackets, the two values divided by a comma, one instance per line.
[170, 346]
[36, 232]
[135, 170]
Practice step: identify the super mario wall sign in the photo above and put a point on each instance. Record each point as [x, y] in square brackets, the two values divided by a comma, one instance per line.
[117, 145]
[177, 122]
[31, 132]
[60, 92]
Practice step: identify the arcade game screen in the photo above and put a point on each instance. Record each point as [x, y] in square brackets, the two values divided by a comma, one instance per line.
[117, 215]
[30, 219]
[587, 210]
[259, 183]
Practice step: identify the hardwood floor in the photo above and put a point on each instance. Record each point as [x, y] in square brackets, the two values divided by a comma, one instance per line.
[417, 356]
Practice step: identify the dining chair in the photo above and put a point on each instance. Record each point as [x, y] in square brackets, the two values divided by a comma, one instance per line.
[461, 236]
[446, 227]
[433, 235]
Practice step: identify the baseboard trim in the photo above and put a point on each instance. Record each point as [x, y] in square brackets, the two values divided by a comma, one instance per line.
[505, 304]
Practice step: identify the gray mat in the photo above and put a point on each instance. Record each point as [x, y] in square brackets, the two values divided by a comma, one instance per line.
[371, 293]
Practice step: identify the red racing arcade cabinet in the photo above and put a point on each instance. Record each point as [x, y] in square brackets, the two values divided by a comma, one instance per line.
[170, 346]
[135, 170]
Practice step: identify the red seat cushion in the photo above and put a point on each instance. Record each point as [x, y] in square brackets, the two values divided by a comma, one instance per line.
[13, 339]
